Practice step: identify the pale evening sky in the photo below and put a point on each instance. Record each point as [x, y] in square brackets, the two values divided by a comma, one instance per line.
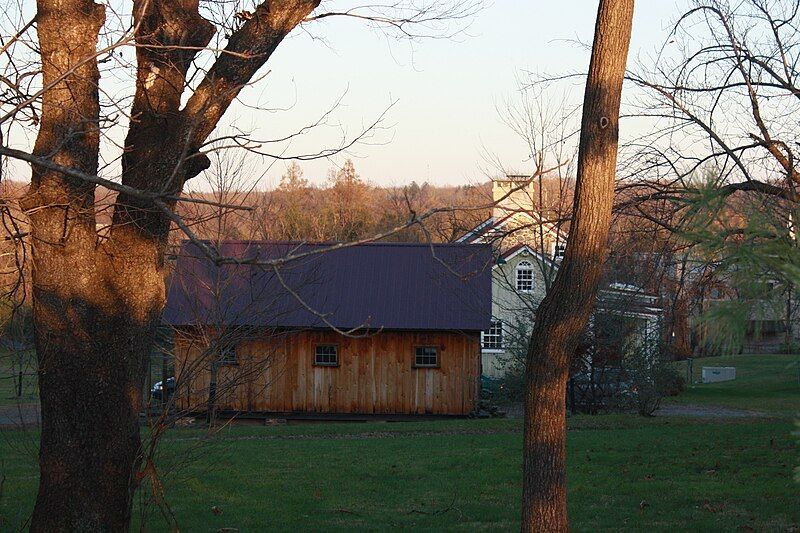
[444, 124]
[446, 92]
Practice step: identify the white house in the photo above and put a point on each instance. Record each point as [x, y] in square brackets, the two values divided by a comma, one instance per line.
[528, 250]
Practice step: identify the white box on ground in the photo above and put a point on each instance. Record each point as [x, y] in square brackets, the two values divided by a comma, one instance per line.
[713, 374]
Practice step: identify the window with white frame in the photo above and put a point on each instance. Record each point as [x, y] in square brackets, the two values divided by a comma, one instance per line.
[326, 355]
[492, 338]
[426, 356]
[524, 277]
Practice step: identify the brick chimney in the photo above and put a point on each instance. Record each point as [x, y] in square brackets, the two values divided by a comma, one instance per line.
[514, 193]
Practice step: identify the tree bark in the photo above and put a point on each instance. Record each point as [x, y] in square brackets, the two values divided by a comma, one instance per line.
[564, 313]
[97, 304]
[82, 404]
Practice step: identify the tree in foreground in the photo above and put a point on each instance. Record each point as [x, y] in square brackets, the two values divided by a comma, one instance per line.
[97, 298]
[564, 313]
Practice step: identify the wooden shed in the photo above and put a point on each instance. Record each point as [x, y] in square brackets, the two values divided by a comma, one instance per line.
[383, 328]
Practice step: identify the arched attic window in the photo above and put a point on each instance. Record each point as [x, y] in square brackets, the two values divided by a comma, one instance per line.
[524, 277]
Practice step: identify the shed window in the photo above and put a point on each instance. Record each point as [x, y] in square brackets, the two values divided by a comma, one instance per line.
[326, 355]
[426, 356]
[524, 277]
[493, 337]
[227, 354]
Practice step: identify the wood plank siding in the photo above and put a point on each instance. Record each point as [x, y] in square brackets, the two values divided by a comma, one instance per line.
[375, 374]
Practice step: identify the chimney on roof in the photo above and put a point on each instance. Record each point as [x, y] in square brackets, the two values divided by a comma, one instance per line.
[515, 193]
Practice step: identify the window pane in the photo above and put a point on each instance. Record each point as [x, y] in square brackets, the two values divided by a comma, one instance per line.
[493, 337]
[524, 277]
[426, 356]
[326, 354]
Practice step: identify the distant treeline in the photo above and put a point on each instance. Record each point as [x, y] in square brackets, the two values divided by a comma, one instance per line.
[344, 208]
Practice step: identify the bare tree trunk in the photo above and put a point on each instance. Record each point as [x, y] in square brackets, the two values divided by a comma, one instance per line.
[97, 304]
[211, 409]
[87, 349]
[562, 317]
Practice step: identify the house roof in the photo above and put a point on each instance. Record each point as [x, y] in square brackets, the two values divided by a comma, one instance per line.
[481, 230]
[378, 285]
[517, 249]
[629, 299]
[493, 228]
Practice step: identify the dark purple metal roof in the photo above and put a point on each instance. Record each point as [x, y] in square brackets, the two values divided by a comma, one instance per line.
[378, 285]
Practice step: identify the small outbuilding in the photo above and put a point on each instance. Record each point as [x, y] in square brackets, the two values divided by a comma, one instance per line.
[283, 328]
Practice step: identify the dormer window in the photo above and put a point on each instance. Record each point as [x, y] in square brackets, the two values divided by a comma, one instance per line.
[524, 277]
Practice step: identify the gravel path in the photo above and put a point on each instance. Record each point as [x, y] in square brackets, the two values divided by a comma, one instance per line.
[689, 411]
[705, 411]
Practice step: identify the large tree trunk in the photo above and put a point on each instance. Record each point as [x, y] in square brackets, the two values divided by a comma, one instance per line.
[563, 315]
[87, 348]
[97, 303]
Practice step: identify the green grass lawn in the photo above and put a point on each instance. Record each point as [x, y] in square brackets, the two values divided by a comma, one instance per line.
[10, 364]
[768, 383]
[625, 472]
